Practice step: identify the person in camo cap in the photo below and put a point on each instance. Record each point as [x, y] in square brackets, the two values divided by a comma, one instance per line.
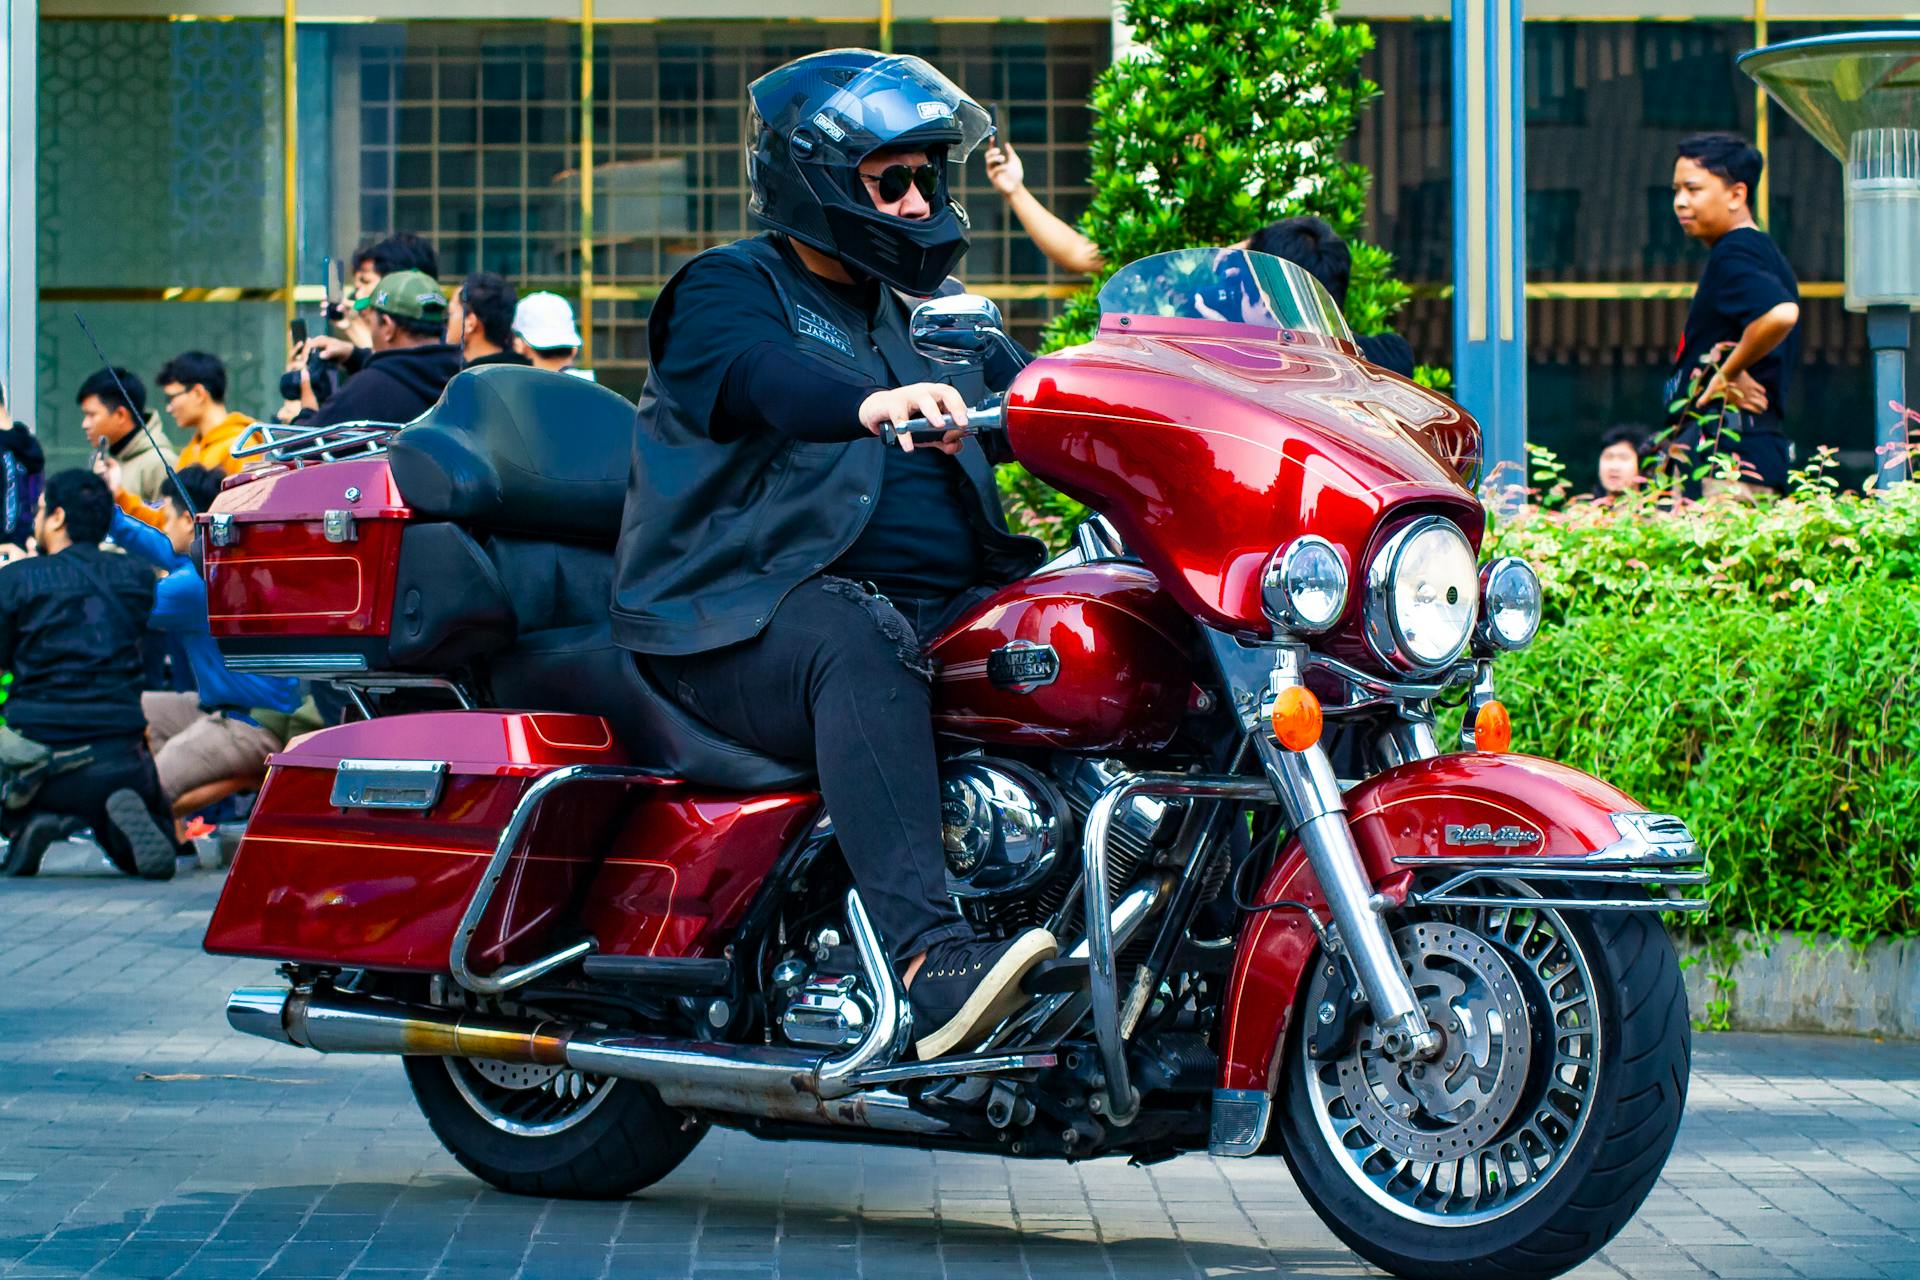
[408, 366]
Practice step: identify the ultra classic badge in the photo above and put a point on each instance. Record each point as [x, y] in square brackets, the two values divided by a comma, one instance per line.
[1023, 666]
[1481, 833]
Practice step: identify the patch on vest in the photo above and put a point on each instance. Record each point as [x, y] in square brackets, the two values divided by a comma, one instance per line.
[809, 324]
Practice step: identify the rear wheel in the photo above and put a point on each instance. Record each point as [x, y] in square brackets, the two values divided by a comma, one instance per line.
[551, 1131]
[1540, 1129]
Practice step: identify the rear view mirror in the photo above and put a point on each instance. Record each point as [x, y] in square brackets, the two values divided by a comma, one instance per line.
[960, 329]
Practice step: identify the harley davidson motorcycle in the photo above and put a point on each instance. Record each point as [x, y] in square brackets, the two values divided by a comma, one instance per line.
[1201, 747]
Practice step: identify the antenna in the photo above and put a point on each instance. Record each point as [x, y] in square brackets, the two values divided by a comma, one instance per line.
[186, 503]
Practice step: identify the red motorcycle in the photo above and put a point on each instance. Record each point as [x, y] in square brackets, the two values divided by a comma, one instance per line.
[1200, 747]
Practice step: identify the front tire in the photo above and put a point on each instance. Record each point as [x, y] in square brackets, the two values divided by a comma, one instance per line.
[1582, 1103]
[544, 1131]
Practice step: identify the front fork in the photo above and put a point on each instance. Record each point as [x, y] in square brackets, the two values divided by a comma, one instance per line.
[1307, 789]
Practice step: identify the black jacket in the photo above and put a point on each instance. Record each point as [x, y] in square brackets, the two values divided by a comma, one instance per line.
[395, 385]
[75, 657]
[721, 522]
[21, 465]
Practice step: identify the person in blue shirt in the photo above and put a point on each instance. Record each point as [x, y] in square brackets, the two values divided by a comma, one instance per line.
[232, 722]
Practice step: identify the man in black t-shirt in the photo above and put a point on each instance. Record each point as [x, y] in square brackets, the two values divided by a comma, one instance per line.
[1742, 335]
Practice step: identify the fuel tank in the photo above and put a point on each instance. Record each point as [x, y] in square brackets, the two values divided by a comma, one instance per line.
[1090, 658]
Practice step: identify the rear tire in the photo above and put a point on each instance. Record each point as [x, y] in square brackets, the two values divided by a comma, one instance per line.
[1597, 1181]
[616, 1137]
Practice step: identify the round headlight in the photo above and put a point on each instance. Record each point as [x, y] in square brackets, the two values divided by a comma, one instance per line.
[1511, 591]
[1423, 594]
[1305, 586]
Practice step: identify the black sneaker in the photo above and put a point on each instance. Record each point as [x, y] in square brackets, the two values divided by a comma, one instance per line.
[153, 847]
[31, 842]
[965, 987]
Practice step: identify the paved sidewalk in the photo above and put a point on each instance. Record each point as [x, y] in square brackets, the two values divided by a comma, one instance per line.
[139, 1137]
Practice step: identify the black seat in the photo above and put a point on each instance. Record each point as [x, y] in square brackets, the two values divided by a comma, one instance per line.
[517, 449]
[581, 669]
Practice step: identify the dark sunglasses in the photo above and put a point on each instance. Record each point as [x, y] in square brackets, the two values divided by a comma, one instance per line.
[891, 183]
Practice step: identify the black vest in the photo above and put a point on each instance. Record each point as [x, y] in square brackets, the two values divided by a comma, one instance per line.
[720, 525]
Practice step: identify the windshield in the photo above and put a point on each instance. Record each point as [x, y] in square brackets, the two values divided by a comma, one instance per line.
[1236, 285]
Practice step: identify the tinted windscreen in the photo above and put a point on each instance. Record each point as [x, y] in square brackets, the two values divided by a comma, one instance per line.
[1235, 285]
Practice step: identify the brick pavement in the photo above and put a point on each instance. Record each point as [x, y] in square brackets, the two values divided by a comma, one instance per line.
[139, 1137]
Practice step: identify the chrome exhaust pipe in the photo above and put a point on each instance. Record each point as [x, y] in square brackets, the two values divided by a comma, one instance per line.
[756, 1079]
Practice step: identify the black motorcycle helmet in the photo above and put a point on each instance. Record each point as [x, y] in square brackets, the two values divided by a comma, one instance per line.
[816, 118]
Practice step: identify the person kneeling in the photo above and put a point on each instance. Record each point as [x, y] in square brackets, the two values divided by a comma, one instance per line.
[71, 619]
[231, 722]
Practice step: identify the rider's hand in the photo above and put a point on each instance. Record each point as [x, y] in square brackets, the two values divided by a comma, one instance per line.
[1004, 169]
[934, 401]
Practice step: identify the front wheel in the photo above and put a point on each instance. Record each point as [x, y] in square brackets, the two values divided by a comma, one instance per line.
[551, 1131]
[1541, 1127]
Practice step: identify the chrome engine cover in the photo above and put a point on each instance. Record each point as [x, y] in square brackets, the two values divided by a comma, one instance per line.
[1003, 826]
[830, 1010]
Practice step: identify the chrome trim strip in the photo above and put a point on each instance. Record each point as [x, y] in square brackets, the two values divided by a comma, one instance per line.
[295, 664]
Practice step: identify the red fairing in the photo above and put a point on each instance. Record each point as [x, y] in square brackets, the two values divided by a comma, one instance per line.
[281, 577]
[385, 889]
[1210, 445]
[1120, 679]
[1403, 812]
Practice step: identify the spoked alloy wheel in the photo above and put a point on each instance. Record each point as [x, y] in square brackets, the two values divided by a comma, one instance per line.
[1540, 1127]
[525, 1100]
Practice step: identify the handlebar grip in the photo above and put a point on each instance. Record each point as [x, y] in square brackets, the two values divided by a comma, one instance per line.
[918, 431]
[982, 419]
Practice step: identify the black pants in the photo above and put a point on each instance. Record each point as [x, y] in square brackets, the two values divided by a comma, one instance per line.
[82, 794]
[837, 677]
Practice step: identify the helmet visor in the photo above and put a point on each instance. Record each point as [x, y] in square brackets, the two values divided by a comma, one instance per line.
[898, 101]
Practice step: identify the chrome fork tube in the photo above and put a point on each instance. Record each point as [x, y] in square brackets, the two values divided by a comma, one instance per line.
[1307, 789]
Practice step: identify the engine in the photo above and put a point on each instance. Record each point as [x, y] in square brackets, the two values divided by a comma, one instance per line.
[1012, 835]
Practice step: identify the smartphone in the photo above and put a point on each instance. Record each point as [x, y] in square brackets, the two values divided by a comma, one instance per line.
[297, 330]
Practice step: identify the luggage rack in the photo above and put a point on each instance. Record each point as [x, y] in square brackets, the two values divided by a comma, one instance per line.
[299, 446]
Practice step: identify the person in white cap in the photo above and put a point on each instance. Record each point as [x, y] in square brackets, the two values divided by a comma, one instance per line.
[545, 333]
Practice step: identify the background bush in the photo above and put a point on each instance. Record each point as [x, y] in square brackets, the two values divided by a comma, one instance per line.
[1753, 669]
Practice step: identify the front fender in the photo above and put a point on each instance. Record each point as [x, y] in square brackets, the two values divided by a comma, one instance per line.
[1504, 806]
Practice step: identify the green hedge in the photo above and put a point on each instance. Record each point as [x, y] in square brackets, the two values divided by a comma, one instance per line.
[1754, 669]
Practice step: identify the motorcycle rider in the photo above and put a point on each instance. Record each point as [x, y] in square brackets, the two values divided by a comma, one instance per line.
[778, 565]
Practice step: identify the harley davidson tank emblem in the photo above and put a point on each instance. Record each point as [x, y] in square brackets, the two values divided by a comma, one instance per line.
[1023, 666]
[1481, 833]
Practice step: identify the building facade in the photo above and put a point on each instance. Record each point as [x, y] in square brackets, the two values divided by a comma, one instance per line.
[197, 164]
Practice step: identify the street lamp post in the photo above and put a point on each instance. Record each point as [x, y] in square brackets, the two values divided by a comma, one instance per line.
[1859, 95]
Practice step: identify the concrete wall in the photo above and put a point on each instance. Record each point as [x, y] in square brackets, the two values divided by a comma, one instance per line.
[1815, 984]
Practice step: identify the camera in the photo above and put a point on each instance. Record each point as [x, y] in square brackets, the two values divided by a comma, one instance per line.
[324, 375]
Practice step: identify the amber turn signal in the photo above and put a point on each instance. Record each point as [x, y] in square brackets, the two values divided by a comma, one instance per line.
[1492, 727]
[1296, 718]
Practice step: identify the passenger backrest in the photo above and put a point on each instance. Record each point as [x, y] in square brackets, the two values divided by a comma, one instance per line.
[516, 449]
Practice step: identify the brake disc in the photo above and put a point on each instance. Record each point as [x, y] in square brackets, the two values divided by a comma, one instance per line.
[1445, 1108]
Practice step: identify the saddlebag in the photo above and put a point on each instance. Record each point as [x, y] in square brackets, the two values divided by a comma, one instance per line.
[370, 840]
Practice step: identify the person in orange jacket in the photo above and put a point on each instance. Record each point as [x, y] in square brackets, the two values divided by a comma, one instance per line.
[194, 385]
